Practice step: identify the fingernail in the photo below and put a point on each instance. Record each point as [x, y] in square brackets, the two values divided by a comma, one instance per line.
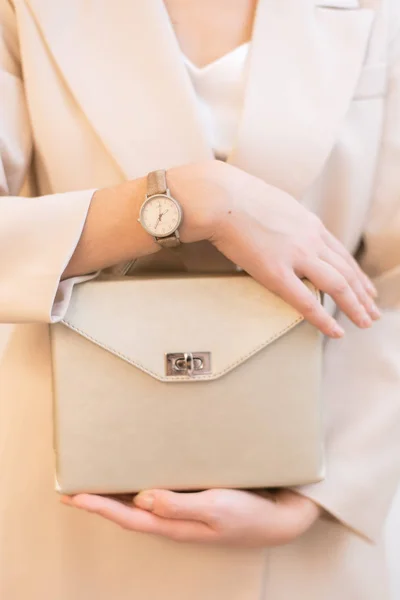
[337, 331]
[375, 312]
[365, 320]
[372, 289]
[144, 501]
[66, 500]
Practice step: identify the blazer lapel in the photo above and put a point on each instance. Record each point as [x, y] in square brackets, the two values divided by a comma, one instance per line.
[304, 66]
[122, 62]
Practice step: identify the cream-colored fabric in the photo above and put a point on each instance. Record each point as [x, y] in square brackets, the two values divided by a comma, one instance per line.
[90, 102]
[49, 224]
[259, 402]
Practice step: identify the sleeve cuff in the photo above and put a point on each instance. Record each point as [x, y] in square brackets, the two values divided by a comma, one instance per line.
[62, 296]
[39, 236]
[361, 527]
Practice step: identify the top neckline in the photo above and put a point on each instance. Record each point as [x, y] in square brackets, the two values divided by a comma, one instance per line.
[204, 69]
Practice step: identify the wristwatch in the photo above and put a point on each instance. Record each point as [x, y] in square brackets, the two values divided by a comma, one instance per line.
[160, 214]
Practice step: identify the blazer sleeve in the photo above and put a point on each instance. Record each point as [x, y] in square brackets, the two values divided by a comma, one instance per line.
[362, 371]
[38, 235]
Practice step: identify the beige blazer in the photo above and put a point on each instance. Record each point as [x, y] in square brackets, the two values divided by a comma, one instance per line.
[92, 93]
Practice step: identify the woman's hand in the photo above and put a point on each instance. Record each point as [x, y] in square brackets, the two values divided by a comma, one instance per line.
[274, 238]
[226, 517]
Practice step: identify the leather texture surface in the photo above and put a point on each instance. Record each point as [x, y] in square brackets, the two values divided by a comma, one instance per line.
[122, 425]
[156, 182]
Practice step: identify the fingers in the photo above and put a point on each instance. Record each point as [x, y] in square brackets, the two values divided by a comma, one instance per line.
[354, 280]
[240, 518]
[329, 280]
[141, 521]
[334, 244]
[279, 262]
[172, 505]
[349, 296]
[291, 289]
[115, 511]
[230, 516]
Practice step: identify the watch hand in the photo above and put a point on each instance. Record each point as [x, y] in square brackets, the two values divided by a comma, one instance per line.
[162, 214]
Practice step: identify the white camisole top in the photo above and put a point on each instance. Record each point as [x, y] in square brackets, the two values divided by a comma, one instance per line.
[219, 87]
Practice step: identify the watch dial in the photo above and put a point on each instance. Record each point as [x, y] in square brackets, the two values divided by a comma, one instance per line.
[160, 215]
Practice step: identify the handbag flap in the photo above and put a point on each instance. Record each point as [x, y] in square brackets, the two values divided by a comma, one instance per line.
[142, 320]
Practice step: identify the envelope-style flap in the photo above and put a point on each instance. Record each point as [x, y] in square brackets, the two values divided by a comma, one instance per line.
[180, 329]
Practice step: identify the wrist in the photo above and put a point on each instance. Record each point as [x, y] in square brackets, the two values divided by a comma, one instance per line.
[200, 190]
[134, 241]
[112, 233]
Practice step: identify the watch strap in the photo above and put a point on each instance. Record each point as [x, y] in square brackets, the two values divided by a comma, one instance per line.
[172, 241]
[157, 183]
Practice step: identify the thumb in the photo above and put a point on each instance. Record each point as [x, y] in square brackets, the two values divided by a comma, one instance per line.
[173, 505]
[299, 511]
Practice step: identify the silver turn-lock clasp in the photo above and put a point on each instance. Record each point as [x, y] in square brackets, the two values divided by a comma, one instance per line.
[190, 364]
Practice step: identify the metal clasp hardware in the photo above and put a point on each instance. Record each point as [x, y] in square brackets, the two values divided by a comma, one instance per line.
[188, 363]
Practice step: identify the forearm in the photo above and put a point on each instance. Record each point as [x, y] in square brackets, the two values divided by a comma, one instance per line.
[112, 233]
[243, 217]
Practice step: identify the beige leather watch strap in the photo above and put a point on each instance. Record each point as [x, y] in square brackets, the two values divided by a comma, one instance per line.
[157, 183]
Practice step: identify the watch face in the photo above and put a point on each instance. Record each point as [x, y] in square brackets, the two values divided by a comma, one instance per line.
[160, 215]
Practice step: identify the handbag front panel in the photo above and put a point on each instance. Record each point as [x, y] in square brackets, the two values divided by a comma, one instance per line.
[119, 430]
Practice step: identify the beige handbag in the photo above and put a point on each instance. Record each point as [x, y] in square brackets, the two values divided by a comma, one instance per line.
[184, 382]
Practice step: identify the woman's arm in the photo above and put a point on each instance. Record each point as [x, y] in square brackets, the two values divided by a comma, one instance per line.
[37, 235]
[259, 227]
[48, 243]
[112, 233]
